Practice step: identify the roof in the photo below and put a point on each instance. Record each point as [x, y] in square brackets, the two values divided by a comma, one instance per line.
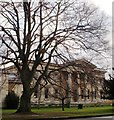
[79, 63]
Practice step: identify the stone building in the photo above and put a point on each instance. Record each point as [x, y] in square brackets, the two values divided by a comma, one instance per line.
[80, 82]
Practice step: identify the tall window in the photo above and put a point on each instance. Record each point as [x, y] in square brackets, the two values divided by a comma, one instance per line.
[82, 94]
[46, 92]
[95, 94]
[101, 94]
[56, 92]
[75, 95]
[82, 76]
[65, 75]
[88, 92]
[36, 93]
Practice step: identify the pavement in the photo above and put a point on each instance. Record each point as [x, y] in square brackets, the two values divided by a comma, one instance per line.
[73, 118]
[95, 118]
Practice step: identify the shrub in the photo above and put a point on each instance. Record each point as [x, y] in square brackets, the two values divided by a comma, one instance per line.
[80, 106]
[113, 104]
[11, 101]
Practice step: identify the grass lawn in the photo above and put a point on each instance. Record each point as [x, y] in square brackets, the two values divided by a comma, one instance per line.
[57, 112]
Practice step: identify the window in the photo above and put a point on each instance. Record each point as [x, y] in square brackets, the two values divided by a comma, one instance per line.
[95, 94]
[65, 75]
[82, 94]
[82, 76]
[56, 92]
[75, 95]
[36, 94]
[101, 94]
[74, 75]
[88, 92]
[46, 92]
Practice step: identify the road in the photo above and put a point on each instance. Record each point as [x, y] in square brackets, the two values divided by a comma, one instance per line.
[95, 118]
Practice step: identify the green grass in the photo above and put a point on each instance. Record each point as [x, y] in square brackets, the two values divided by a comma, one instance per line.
[57, 112]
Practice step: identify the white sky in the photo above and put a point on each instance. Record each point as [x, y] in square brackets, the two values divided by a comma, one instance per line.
[104, 5]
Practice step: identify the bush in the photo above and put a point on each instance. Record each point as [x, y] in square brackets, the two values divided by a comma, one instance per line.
[80, 106]
[113, 104]
[11, 101]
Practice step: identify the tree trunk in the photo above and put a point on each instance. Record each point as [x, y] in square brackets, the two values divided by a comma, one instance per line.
[25, 100]
[68, 103]
[25, 103]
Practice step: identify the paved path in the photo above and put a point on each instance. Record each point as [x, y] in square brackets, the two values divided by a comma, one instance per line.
[95, 118]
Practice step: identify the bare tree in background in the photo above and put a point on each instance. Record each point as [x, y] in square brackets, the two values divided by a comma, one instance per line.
[61, 88]
[34, 33]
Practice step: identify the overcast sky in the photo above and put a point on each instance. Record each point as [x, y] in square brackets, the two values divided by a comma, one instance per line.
[105, 5]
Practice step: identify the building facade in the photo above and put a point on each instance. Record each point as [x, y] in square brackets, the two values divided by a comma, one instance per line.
[80, 82]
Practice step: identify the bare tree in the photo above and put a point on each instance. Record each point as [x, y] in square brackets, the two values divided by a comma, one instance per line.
[34, 34]
[108, 88]
[61, 88]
